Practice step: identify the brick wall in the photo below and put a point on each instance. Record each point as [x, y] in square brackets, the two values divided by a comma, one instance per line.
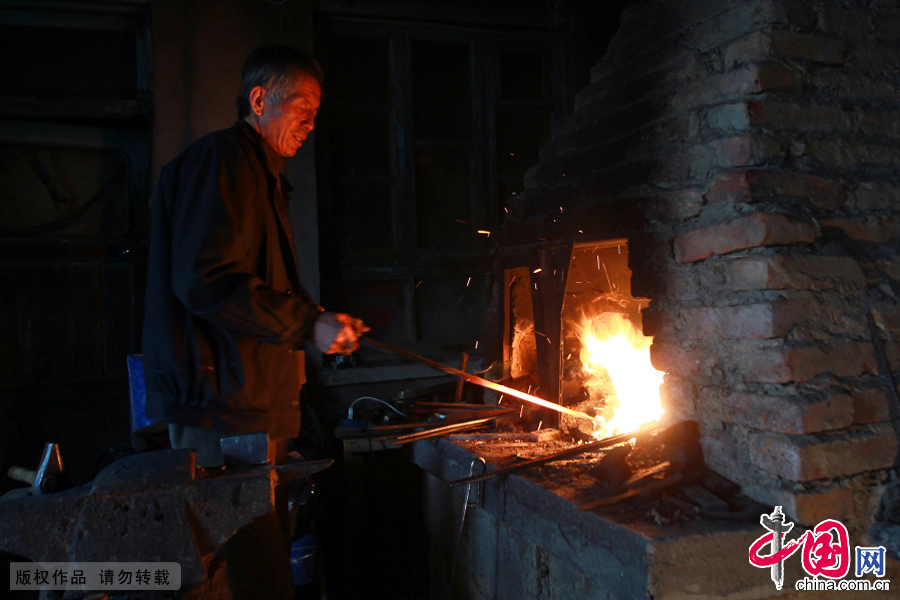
[750, 152]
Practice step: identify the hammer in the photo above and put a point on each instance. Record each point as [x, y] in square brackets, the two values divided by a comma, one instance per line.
[49, 476]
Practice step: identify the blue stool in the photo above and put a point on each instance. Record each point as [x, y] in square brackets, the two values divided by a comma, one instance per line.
[138, 392]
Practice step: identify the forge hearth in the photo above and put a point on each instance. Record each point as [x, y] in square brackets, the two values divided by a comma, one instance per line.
[525, 536]
[746, 153]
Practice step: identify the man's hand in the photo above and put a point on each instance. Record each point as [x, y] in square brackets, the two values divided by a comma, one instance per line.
[337, 333]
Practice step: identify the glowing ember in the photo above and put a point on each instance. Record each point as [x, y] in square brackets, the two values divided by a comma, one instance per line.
[617, 357]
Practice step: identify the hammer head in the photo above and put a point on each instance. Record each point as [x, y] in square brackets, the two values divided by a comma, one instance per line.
[248, 449]
[49, 475]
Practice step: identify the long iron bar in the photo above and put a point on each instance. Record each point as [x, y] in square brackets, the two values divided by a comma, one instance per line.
[574, 451]
[444, 429]
[479, 380]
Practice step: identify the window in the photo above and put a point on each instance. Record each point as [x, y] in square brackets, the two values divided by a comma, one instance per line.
[424, 132]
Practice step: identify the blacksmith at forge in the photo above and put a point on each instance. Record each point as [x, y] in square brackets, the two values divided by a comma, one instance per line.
[226, 314]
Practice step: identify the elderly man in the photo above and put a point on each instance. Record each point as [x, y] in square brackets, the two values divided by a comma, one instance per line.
[226, 314]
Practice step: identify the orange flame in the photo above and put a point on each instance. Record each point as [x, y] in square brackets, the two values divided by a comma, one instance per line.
[617, 357]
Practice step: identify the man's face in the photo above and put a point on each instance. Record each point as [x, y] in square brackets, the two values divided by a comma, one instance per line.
[286, 124]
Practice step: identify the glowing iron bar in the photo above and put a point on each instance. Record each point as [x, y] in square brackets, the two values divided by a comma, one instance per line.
[486, 383]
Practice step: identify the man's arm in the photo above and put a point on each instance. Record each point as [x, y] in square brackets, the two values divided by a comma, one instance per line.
[216, 220]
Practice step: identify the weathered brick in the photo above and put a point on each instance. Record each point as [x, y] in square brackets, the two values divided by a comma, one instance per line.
[800, 272]
[880, 123]
[678, 399]
[780, 364]
[750, 321]
[798, 117]
[764, 44]
[843, 153]
[747, 151]
[811, 457]
[811, 508]
[792, 44]
[838, 22]
[789, 414]
[672, 358]
[722, 453]
[887, 316]
[756, 78]
[763, 184]
[866, 229]
[874, 195]
[739, 234]
[871, 406]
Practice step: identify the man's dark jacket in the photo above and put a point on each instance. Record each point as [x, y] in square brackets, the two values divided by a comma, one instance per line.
[225, 310]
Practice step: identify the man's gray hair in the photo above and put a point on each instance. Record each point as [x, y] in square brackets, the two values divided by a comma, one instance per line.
[272, 67]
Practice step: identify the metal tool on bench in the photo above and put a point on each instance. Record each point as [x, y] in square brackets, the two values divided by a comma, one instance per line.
[248, 449]
[49, 476]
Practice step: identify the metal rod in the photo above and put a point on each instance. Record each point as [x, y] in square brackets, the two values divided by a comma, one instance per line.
[574, 451]
[444, 429]
[479, 380]
[464, 361]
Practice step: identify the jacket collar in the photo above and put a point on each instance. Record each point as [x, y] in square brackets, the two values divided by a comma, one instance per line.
[274, 162]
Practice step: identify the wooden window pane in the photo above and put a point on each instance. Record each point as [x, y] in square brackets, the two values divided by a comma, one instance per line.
[40, 61]
[521, 76]
[441, 91]
[443, 203]
[357, 69]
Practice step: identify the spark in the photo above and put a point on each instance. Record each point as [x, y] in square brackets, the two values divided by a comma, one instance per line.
[607, 277]
[476, 344]
[598, 262]
[506, 210]
[468, 282]
[484, 232]
[501, 399]
[580, 231]
[461, 221]
[538, 270]
[418, 283]
[569, 356]
[540, 423]
[561, 209]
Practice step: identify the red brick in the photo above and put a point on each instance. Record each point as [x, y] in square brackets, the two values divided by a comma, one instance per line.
[731, 188]
[789, 414]
[792, 44]
[851, 153]
[672, 358]
[756, 78]
[865, 229]
[761, 229]
[887, 316]
[752, 186]
[780, 364]
[747, 151]
[775, 116]
[811, 508]
[749, 321]
[811, 457]
[679, 399]
[788, 44]
[871, 406]
[798, 272]
[874, 195]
